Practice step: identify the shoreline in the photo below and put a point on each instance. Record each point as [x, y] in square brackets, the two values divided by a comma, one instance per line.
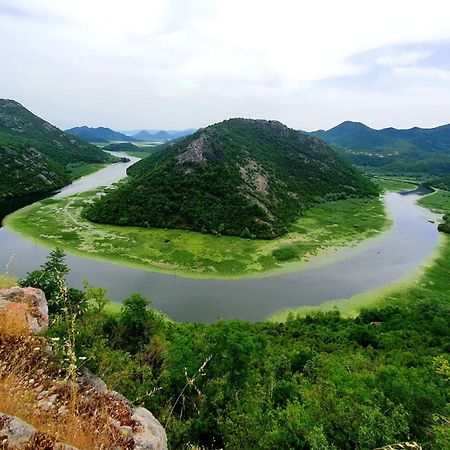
[332, 253]
[351, 306]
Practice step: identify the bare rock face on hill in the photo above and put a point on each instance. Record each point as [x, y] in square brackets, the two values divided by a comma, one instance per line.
[402, 446]
[35, 388]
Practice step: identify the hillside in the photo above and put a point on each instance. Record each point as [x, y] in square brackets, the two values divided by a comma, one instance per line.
[99, 134]
[35, 154]
[416, 150]
[242, 177]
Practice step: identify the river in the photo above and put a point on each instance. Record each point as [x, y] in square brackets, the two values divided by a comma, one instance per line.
[370, 265]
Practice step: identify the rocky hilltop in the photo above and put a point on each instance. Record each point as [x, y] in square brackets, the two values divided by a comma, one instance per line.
[34, 154]
[243, 177]
[45, 406]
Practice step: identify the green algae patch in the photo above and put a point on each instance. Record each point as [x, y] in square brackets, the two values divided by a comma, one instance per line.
[324, 228]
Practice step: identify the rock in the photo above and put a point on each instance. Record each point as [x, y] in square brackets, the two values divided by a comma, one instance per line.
[34, 302]
[149, 433]
[60, 446]
[93, 382]
[402, 446]
[14, 432]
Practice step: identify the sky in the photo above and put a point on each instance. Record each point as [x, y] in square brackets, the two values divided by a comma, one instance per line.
[175, 64]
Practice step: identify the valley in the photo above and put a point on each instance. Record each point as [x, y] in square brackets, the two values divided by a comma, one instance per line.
[324, 245]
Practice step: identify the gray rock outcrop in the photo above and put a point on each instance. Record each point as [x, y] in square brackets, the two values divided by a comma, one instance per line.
[34, 302]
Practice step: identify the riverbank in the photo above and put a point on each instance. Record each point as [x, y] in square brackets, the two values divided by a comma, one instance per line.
[430, 279]
[322, 230]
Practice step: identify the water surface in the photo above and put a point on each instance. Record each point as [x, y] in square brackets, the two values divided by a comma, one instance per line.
[369, 265]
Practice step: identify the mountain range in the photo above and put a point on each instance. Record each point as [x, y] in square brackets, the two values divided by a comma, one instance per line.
[99, 134]
[102, 135]
[35, 155]
[242, 177]
[415, 150]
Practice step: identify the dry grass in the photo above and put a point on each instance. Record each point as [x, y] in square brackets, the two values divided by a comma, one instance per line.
[34, 388]
[7, 281]
[13, 321]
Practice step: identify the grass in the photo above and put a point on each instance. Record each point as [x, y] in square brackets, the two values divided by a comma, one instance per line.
[30, 377]
[438, 202]
[82, 170]
[323, 228]
[394, 184]
[139, 154]
[431, 280]
[7, 281]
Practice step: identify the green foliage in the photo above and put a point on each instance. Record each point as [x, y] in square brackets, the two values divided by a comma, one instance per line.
[314, 382]
[35, 155]
[247, 178]
[445, 225]
[137, 323]
[51, 279]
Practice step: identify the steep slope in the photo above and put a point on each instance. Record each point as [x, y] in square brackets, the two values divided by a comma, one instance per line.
[35, 154]
[238, 177]
[99, 134]
[391, 149]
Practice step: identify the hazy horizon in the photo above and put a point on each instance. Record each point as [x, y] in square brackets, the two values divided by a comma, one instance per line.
[173, 65]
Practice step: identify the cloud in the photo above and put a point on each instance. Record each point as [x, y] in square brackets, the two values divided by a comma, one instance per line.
[172, 63]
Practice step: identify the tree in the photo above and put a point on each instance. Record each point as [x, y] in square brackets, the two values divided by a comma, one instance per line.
[137, 323]
[51, 278]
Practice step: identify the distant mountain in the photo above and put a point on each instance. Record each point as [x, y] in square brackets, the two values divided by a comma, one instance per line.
[162, 136]
[35, 154]
[239, 177]
[143, 136]
[171, 134]
[175, 134]
[159, 136]
[413, 150]
[99, 134]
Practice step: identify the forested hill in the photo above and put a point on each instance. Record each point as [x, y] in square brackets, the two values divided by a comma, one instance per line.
[35, 154]
[99, 134]
[242, 177]
[415, 150]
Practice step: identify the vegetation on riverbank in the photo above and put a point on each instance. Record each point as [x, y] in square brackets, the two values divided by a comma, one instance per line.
[318, 382]
[81, 170]
[430, 281]
[394, 184]
[59, 222]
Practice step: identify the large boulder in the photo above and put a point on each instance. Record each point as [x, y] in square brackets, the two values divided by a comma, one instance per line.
[138, 423]
[148, 433]
[28, 302]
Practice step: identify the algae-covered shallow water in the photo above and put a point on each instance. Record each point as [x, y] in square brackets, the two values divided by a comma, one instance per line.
[369, 265]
